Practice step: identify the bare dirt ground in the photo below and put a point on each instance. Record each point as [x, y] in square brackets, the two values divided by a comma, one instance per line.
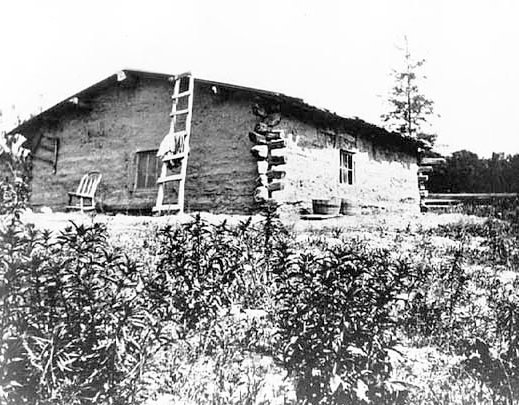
[121, 226]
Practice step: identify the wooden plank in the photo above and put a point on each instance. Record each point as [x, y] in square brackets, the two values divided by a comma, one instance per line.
[432, 161]
[262, 167]
[258, 139]
[277, 144]
[49, 148]
[274, 135]
[179, 112]
[435, 201]
[473, 196]
[318, 217]
[176, 156]
[437, 207]
[78, 207]
[51, 162]
[277, 160]
[277, 186]
[276, 174]
[260, 152]
[166, 207]
[56, 152]
[173, 177]
[180, 95]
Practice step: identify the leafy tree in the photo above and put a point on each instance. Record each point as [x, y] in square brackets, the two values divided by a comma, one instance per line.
[410, 109]
[465, 172]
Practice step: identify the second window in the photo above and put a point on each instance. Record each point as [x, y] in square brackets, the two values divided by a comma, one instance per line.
[347, 168]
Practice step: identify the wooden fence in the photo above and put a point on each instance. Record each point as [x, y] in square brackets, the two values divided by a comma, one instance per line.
[449, 200]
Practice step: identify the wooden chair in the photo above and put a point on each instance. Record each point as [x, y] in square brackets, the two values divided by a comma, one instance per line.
[85, 192]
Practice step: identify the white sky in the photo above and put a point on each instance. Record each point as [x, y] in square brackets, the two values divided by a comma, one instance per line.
[335, 54]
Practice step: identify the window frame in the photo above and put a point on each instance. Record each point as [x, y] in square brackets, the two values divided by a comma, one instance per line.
[347, 167]
[138, 156]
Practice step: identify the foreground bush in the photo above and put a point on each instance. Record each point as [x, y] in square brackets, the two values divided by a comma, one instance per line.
[73, 325]
[337, 323]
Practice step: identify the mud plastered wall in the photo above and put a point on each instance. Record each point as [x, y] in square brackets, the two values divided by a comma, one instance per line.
[385, 177]
[221, 170]
[125, 119]
[121, 120]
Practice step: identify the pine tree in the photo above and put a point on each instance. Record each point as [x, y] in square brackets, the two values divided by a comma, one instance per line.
[410, 108]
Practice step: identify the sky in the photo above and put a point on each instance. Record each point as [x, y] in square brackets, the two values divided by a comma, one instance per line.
[334, 54]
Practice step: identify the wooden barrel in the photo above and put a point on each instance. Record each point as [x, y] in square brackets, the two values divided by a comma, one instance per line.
[347, 207]
[330, 206]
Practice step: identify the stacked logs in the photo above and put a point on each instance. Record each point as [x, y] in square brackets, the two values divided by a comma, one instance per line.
[269, 151]
[425, 166]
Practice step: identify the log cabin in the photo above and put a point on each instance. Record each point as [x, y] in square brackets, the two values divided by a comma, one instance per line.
[246, 146]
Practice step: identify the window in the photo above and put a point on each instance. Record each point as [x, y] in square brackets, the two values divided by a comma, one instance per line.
[347, 168]
[147, 169]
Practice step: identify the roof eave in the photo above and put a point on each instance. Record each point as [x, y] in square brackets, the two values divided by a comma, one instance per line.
[296, 102]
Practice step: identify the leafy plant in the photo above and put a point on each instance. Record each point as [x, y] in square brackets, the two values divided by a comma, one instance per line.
[73, 325]
[336, 323]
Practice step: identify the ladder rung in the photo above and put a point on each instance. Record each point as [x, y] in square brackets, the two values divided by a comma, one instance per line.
[180, 95]
[166, 207]
[179, 112]
[177, 156]
[173, 177]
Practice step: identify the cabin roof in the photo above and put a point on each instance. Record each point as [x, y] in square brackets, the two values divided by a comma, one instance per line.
[355, 124]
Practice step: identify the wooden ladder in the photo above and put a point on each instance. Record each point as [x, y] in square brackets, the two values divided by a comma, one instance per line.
[180, 141]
